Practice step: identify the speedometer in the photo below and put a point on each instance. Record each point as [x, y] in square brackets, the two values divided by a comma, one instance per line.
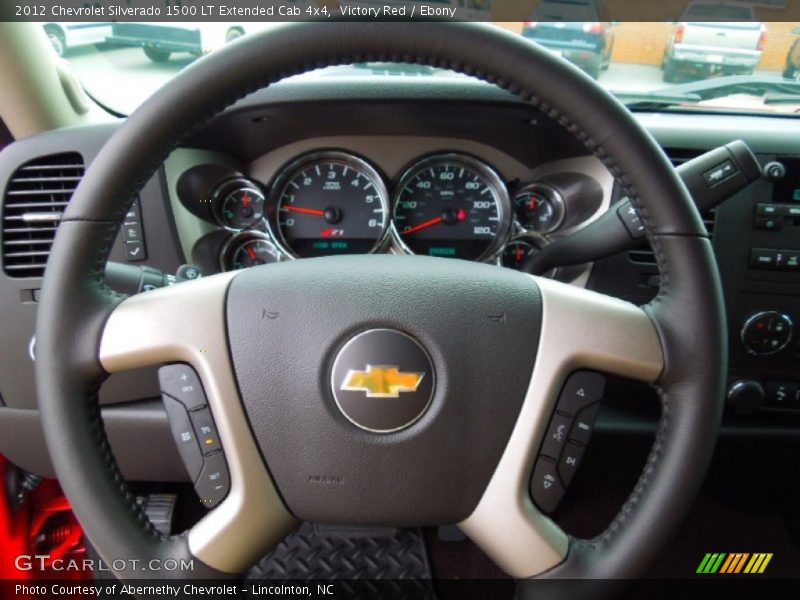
[452, 205]
[330, 203]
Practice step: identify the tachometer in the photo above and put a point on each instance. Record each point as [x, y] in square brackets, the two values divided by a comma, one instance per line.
[330, 203]
[453, 206]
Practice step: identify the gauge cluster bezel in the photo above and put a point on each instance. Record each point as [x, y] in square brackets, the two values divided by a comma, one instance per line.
[389, 190]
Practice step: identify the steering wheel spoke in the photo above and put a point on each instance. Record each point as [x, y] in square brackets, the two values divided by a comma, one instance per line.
[186, 323]
[580, 330]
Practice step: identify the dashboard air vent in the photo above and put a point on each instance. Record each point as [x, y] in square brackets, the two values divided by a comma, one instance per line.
[35, 198]
[678, 156]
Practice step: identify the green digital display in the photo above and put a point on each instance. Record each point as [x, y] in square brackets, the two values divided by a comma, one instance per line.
[796, 195]
[323, 245]
[444, 251]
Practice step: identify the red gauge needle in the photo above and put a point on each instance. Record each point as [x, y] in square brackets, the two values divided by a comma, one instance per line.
[246, 200]
[306, 211]
[532, 205]
[519, 253]
[422, 226]
[251, 252]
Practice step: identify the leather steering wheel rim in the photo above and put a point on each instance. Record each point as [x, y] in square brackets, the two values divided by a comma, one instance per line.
[688, 313]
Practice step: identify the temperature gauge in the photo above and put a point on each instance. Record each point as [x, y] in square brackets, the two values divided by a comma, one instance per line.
[248, 249]
[238, 204]
[539, 208]
[518, 251]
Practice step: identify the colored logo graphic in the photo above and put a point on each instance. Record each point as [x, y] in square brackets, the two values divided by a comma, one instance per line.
[381, 381]
[734, 563]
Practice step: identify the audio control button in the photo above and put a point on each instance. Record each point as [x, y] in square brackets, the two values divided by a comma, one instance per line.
[556, 435]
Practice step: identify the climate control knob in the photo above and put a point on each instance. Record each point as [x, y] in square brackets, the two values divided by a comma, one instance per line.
[745, 396]
[766, 332]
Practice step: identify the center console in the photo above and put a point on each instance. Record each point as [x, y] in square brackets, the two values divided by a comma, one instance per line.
[757, 241]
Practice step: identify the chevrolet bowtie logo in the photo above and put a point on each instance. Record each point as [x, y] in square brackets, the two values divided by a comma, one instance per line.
[381, 381]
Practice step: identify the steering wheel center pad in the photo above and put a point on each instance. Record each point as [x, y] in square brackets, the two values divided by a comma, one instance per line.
[467, 316]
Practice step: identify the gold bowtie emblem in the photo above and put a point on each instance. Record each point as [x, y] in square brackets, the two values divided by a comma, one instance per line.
[381, 381]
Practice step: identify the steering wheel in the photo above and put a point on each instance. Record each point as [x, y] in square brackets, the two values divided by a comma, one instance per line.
[284, 351]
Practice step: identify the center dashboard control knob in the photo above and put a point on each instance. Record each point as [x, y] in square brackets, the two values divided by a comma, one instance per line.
[766, 332]
[774, 171]
[745, 396]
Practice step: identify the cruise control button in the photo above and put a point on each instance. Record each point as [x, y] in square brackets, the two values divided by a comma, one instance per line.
[583, 426]
[214, 482]
[185, 438]
[206, 431]
[630, 219]
[546, 488]
[582, 389]
[570, 459]
[556, 435]
[182, 383]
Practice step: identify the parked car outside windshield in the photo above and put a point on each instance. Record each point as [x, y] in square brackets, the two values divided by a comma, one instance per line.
[635, 60]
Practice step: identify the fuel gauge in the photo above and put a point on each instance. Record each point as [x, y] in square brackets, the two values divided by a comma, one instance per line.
[238, 204]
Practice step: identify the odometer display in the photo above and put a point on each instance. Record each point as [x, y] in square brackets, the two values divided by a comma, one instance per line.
[330, 203]
[451, 206]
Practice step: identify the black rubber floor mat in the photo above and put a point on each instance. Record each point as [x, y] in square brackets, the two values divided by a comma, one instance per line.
[366, 563]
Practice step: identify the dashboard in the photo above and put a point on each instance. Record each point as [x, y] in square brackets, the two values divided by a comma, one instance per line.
[450, 168]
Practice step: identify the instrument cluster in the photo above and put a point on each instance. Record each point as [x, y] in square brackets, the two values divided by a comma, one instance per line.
[332, 202]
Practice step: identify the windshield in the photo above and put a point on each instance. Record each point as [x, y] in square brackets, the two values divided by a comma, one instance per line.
[701, 62]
